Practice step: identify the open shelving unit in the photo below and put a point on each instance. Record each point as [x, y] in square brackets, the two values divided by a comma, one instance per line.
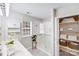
[69, 50]
[68, 28]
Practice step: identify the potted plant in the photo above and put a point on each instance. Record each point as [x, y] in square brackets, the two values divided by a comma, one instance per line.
[34, 42]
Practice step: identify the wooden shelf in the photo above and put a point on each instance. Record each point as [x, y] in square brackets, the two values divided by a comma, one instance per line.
[69, 50]
[70, 32]
[75, 22]
[70, 40]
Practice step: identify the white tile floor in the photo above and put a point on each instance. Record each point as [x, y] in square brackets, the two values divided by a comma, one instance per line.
[37, 52]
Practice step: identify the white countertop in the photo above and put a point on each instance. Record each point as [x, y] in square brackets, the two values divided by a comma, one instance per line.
[17, 50]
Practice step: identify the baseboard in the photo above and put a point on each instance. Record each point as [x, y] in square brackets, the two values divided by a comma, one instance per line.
[44, 51]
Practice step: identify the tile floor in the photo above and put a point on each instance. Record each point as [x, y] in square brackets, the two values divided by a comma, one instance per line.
[37, 52]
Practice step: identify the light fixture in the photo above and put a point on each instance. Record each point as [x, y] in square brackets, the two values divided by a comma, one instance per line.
[7, 5]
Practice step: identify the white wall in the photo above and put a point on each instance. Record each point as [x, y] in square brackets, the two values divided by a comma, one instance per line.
[44, 39]
[3, 28]
[47, 27]
[68, 10]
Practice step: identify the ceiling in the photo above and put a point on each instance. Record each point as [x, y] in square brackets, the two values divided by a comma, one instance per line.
[39, 10]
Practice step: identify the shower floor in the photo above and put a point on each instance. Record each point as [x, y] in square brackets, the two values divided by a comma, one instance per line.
[37, 52]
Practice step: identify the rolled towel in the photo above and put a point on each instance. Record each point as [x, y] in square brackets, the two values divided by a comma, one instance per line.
[73, 43]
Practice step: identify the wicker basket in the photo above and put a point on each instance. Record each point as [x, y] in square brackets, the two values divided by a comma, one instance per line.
[73, 45]
[63, 42]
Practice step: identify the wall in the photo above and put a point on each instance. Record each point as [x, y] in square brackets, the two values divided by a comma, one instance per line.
[3, 28]
[68, 10]
[44, 40]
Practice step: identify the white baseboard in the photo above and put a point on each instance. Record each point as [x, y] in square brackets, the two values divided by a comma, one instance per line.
[44, 51]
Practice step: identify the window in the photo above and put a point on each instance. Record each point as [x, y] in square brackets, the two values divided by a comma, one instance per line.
[26, 28]
[41, 28]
